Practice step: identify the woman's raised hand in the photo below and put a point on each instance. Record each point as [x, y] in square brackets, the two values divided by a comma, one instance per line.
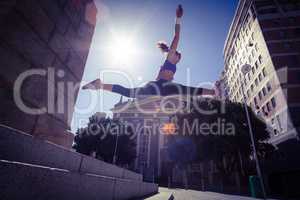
[179, 11]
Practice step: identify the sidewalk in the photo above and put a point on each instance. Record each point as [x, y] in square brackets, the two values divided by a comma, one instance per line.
[180, 194]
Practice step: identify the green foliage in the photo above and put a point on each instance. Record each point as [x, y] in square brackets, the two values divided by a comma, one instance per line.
[235, 150]
[100, 137]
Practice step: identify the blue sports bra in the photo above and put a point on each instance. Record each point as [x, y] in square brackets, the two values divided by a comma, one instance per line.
[168, 66]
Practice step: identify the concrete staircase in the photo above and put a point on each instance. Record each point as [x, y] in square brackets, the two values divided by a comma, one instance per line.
[31, 168]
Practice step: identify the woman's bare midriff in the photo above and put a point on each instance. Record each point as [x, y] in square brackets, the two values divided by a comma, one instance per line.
[166, 75]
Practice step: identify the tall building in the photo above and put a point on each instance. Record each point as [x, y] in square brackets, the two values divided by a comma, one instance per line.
[266, 35]
[43, 50]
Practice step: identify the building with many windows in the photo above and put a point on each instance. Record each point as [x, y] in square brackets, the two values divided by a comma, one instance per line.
[266, 35]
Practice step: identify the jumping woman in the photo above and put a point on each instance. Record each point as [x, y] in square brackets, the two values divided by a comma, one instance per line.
[163, 86]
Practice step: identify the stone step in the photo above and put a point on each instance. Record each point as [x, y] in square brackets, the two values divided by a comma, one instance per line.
[21, 147]
[28, 181]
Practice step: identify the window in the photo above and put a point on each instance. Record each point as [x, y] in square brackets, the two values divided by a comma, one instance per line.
[252, 87]
[287, 45]
[279, 122]
[259, 95]
[253, 70]
[268, 107]
[264, 109]
[264, 91]
[260, 59]
[255, 101]
[275, 132]
[256, 47]
[248, 93]
[276, 21]
[269, 88]
[259, 77]
[282, 34]
[252, 36]
[264, 72]
[256, 82]
[258, 112]
[256, 65]
[247, 18]
[273, 101]
[272, 121]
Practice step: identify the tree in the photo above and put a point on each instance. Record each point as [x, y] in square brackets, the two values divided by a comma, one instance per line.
[100, 137]
[220, 133]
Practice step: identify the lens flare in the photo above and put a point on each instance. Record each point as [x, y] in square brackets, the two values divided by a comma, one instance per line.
[123, 50]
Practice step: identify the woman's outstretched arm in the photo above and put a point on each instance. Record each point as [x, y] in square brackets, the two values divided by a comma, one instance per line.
[174, 44]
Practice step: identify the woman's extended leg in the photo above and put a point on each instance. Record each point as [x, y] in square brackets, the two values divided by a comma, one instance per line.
[170, 88]
[127, 92]
[152, 88]
[162, 88]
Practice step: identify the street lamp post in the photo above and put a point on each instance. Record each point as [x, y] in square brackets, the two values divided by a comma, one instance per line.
[115, 150]
[246, 69]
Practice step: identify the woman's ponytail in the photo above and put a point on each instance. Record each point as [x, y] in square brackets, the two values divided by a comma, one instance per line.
[163, 46]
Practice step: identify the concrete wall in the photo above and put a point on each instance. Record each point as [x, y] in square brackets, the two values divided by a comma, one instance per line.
[21, 147]
[38, 169]
[43, 34]
[23, 181]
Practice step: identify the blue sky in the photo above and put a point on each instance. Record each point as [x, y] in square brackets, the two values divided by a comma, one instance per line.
[204, 29]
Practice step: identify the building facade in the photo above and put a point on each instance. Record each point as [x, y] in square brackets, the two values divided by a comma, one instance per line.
[266, 35]
[148, 117]
[221, 86]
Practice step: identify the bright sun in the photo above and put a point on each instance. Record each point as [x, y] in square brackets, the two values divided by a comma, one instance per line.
[123, 50]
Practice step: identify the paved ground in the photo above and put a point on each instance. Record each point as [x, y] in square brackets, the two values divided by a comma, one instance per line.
[179, 194]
